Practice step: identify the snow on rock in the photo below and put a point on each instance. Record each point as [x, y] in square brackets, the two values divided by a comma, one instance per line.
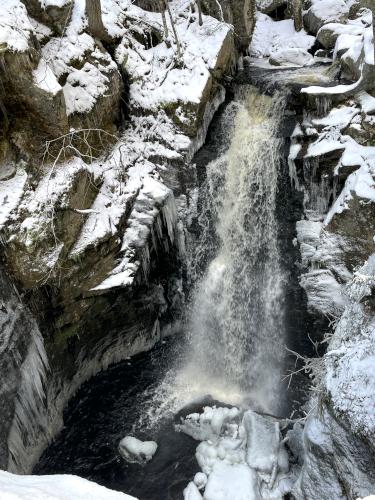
[337, 118]
[203, 48]
[135, 451]
[350, 358]
[242, 455]
[291, 57]
[281, 41]
[322, 12]
[57, 487]
[367, 102]
[11, 191]
[329, 33]
[359, 184]
[324, 293]
[45, 79]
[15, 26]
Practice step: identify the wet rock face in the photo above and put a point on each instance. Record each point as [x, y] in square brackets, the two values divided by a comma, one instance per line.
[19, 337]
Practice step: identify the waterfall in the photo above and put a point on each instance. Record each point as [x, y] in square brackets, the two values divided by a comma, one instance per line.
[236, 316]
[235, 323]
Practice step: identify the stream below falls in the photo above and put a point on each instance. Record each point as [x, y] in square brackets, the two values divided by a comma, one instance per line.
[245, 306]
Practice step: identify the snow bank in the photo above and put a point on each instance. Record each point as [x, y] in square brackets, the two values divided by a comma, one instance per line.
[58, 487]
[280, 40]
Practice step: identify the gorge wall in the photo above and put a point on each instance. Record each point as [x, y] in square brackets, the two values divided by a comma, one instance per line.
[96, 187]
[97, 134]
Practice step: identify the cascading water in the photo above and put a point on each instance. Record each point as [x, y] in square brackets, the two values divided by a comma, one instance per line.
[236, 317]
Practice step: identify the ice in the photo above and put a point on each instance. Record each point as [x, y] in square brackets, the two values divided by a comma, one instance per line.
[58, 487]
[200, 480]
[135, 451]
[243, 457]
[232, 482]
[29, 403]
[191, 492]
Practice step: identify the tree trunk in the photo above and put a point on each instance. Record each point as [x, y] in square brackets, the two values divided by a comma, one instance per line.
[174, 29]
[94, 16]
[373, 26]
[297, 14]
[199, 5]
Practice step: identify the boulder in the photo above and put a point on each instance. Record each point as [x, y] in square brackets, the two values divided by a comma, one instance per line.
[291, 57]
[322, 12]
[55, 15]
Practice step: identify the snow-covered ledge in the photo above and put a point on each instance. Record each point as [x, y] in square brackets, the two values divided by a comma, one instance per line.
[59, 487]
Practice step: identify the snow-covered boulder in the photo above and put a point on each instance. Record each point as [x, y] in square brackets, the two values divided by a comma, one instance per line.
[323, 12]
[328, 33]
[272, 37]
[135, 451]
[291, 57]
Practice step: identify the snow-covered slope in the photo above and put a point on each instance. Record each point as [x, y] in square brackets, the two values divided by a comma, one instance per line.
[59, 487]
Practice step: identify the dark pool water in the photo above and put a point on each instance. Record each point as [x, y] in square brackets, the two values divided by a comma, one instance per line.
[106, 409]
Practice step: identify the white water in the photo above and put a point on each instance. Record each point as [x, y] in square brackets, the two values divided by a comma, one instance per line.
[236, 320]
[235, 351]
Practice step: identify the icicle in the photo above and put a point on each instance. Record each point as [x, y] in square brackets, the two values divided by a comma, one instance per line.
[293, 153]
[323, 104]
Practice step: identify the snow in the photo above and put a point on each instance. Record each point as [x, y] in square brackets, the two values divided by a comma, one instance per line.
[57, 487]
[135, 451]
[232, 482]
[329, 10]
[83, 87]
[367, 102]
[291, 57]
[15, 26]
[11, 191]
[350, 358]
[170, 84]
[45, 79]
[360, 183]
[337, 117]
[275, 37]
